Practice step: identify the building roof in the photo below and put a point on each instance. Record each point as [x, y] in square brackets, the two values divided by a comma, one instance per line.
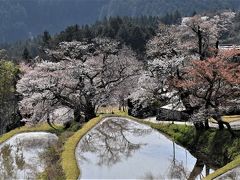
[174, 106]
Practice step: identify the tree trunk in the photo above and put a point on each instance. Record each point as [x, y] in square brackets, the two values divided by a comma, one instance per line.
[200, 38]
[206, 124]
[217, 48]
[123, 105]
[220, 125]
[207, 170]
[89, 112]
[199, 126]
[217, 44]
[185, 100]
[77, 115]
[197, 169]
[229, 128]
[129, 106]
[90, 115]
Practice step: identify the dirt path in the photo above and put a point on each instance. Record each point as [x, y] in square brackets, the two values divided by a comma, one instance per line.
[235, 125]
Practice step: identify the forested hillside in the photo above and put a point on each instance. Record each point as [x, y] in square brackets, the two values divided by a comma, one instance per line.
[79, 77]
[31, 17]
[134, 32]
[161, 7]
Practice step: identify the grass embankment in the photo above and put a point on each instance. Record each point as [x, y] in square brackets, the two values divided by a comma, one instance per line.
[218, 146]
[233, 164]
[69, 162]
[182, 134]
[52, 156]
[38, 128]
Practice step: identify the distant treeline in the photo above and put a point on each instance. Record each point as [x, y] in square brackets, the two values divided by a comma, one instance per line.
[134, 32]
[233, 36]
[21, 19]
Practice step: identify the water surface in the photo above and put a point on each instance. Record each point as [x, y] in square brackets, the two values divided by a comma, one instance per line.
[123, 149]
[20, 155]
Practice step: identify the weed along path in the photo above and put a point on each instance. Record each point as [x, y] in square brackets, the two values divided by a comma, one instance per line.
[20, 156]
[121, 148]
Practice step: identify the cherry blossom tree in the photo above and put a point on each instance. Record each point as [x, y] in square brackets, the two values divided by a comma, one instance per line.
[214, 85]
[77, 75]
[165, 59]
[200, 34]
[173, 50]
[120, 94]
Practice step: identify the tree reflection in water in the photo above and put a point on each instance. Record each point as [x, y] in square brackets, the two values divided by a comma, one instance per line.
[177, 170]
[20, 155]
[112, 141]
[104, 153]
[13, 164]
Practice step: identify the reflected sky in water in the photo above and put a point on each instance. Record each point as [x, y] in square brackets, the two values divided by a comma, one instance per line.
[20, 155]
[119, 148]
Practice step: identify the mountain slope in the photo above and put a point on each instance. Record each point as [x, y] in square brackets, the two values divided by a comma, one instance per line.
[160, 7]
[21, 19]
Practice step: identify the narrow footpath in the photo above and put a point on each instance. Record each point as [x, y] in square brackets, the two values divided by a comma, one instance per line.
[235, 125]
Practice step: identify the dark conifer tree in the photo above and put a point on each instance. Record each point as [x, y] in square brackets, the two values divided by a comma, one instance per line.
[46, 38]
[25, 55]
